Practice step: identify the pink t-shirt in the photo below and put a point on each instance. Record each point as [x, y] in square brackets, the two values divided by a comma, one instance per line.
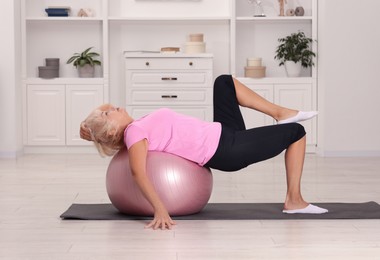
[168, 131]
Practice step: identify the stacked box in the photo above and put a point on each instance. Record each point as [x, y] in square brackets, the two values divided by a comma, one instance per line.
[254, 68]
[196, 44]
[51, 70]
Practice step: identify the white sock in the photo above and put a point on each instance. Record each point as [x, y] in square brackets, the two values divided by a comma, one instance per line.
[301, 116]
[311, 209]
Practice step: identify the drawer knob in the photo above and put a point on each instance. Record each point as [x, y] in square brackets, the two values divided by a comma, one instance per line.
[169, 78]
[191, 63]
[169, 96]
[147, 63]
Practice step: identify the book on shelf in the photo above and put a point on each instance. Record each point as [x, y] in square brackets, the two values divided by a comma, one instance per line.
[58, 11]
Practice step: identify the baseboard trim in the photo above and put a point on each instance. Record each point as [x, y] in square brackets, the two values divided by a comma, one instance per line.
[11, 154]
[60, 150]
[350, 154]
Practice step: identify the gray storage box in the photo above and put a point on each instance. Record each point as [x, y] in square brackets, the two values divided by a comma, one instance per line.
[54, 62]
[48, 72]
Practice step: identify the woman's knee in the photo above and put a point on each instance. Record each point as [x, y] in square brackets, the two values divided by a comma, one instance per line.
[223, 80]
[299, 131]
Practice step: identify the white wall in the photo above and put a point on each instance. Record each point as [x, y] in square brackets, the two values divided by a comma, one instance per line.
[10, 79]
[349, 77]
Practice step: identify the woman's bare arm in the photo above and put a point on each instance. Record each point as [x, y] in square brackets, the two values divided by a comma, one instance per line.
[137, 158]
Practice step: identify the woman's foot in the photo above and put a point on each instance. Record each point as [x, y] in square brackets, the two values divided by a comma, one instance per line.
[299, 206]
[310, 209]
[298, 117]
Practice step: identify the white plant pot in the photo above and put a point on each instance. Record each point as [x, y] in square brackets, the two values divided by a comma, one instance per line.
[87, 71]
[293, 69]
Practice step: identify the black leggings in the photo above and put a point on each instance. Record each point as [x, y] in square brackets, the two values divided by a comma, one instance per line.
[239, 147]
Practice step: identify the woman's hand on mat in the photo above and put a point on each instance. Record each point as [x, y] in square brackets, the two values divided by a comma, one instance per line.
[161, 220]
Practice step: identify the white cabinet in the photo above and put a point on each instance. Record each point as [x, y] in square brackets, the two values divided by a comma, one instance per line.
[300, 97]
[80, 101]
[294, 94]
[54, 108]
[258, 37]
[180, 82]
[46, 115]
[54, 112]
[254, 118]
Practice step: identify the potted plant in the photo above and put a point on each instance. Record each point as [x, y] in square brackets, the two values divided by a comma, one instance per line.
[294, 52]
[85, 62]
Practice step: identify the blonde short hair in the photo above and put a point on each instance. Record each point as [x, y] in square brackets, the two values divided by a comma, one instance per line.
[108, 137]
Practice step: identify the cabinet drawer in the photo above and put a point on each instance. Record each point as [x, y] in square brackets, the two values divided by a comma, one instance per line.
[171, 96]
[168, 79]
[168, 63]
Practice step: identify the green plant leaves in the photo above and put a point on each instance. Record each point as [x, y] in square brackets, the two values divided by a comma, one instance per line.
[295, 47]
[83, 58]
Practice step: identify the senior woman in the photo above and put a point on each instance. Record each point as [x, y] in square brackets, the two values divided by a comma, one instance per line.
[224, 144]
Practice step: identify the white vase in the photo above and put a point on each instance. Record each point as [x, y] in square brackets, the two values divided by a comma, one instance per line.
[293, 69]
[87, 71]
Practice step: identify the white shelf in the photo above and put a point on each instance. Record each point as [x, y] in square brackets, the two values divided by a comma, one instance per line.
[274, 18]
[82, 81]
[137, 19]
[138, 54]
[277, 80]
[119, 18]
[47, 18]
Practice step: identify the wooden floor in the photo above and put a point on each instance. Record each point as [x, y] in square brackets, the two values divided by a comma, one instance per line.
[36, 189]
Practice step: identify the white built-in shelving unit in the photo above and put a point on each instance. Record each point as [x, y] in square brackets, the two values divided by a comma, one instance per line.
[258, 37]
[232, 34]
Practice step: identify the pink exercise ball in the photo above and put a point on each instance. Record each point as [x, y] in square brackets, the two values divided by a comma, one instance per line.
[183, 186]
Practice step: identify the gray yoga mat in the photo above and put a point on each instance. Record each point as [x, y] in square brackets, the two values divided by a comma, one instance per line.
[232, 211]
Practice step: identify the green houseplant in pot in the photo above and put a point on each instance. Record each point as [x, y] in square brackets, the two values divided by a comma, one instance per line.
[294, 52]
[85, 62]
